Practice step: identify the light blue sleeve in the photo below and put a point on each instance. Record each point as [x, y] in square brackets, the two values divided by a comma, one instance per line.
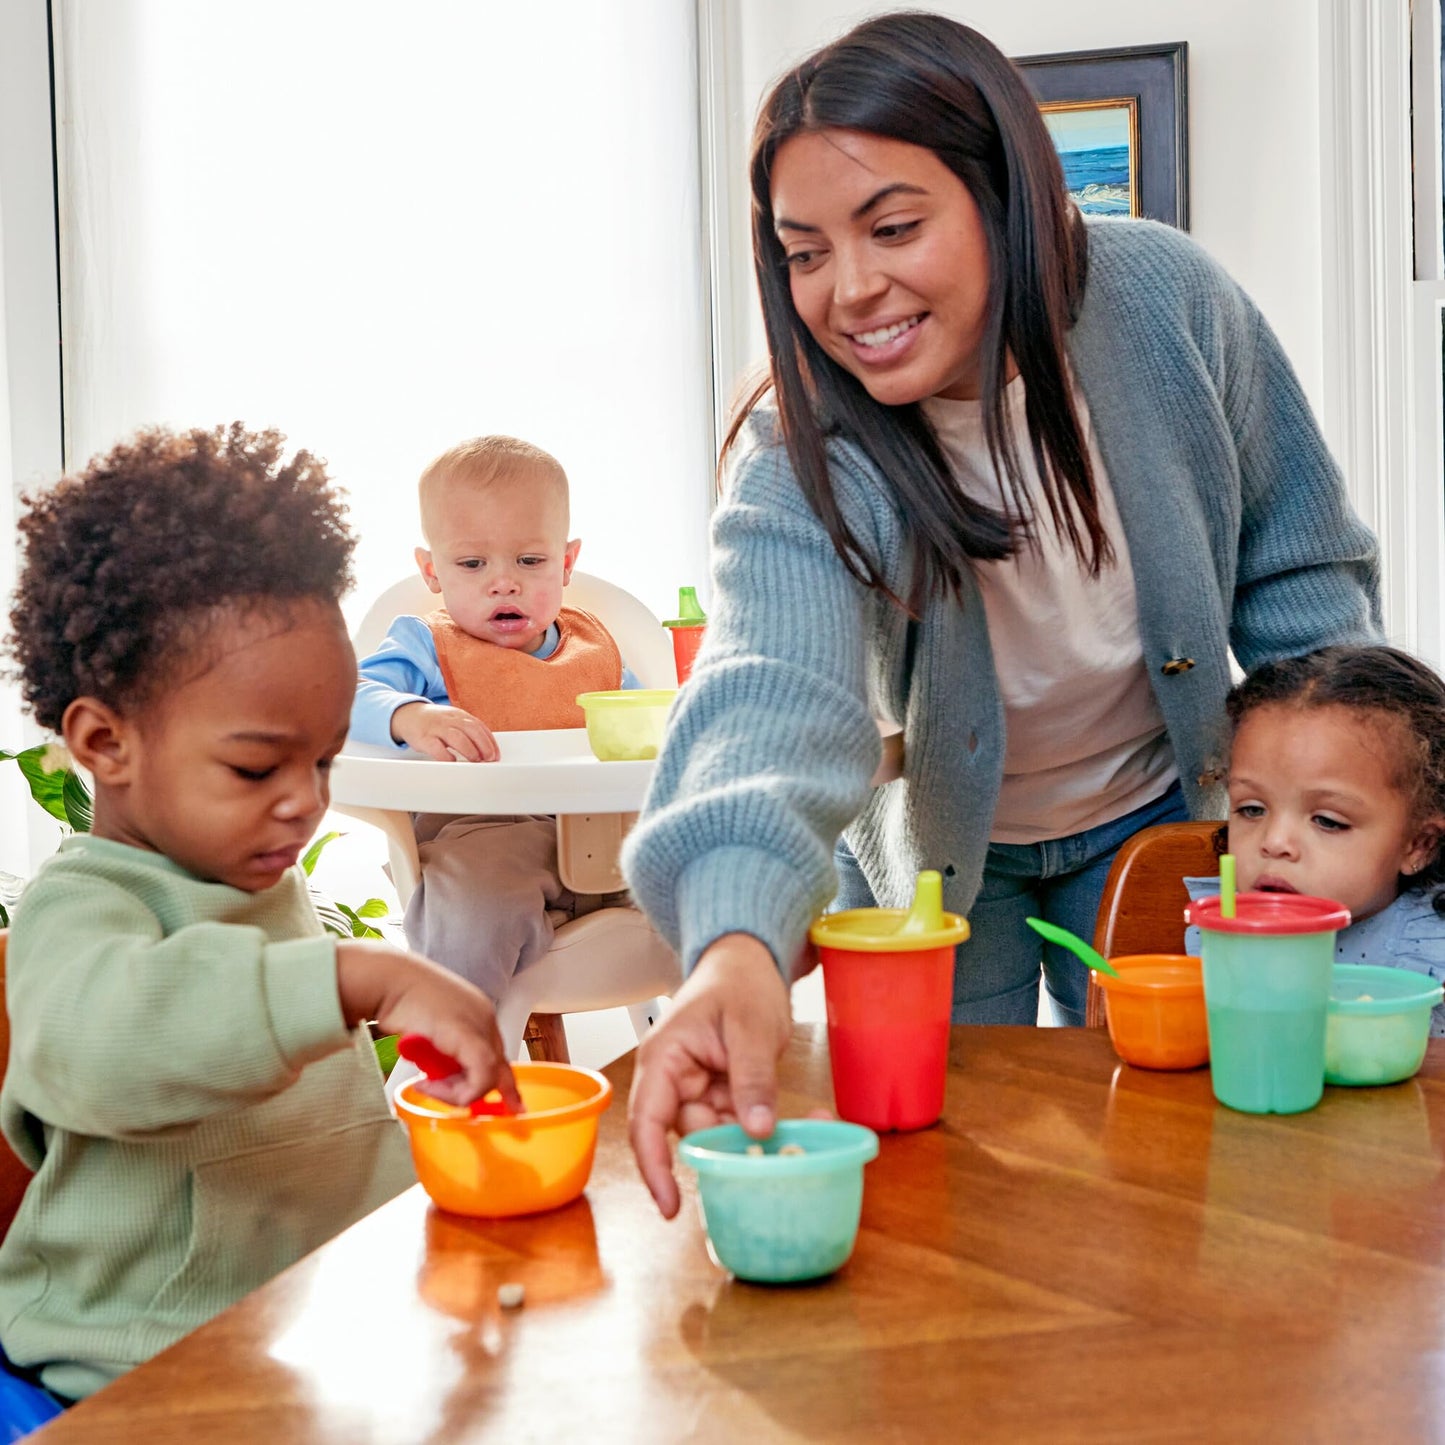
[1408, 934]
[403, 669]
[629, 678]
[1198, 888]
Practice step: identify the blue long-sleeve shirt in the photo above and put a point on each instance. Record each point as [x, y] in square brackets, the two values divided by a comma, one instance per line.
[405, 669]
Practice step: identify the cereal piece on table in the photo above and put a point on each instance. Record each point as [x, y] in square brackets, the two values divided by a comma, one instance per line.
[756, 1150]
[792, 1149]
[510, 1296]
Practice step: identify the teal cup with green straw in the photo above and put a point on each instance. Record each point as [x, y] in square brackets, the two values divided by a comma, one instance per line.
[1268, 962]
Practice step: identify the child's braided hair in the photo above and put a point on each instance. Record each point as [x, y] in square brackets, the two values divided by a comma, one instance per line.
[127, 562]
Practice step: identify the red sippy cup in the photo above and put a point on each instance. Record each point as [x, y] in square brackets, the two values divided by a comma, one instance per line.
[888, 982]
[687, 629]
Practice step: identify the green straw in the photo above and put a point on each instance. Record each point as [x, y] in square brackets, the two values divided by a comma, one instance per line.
[1226, 885]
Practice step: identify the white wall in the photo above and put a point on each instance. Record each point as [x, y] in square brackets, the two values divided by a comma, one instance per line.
[1254, 127]
[386, 228]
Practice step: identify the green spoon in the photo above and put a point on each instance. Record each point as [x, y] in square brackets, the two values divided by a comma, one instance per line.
[1073, 943]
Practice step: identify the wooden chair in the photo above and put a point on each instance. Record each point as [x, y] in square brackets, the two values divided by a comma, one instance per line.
[14, 1176]
[1142, 910]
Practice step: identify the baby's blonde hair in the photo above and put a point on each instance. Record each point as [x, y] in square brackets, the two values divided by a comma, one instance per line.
[482, 462]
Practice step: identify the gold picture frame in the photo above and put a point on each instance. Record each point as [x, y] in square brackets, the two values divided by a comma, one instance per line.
[1100, 180]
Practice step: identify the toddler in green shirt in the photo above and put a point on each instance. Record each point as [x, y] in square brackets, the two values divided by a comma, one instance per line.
[191, 1076]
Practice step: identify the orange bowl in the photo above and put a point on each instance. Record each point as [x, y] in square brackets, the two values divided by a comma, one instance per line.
[493, 1166]
[1156, 1012]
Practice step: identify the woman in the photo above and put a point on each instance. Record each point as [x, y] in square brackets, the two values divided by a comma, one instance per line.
[1018, 484]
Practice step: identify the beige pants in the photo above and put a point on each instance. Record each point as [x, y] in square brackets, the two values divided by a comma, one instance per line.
[490, 897]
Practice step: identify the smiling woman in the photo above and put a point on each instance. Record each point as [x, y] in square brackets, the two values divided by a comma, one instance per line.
[1039, 475]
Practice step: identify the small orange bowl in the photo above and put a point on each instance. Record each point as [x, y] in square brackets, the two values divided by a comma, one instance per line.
[1156, 1012]
[493, 1166]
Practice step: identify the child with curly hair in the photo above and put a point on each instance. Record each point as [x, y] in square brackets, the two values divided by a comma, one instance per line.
[191, 1077]
[1337, 789]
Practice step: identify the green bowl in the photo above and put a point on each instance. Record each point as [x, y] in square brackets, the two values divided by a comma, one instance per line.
[781, 1218]
[626, 725]
[1378, 1024]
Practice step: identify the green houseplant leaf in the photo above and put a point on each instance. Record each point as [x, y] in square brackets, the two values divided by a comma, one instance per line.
[312, 855]
[386, 1054]
[75, 799]
[61, 791]
[11, 888]
[48, 789]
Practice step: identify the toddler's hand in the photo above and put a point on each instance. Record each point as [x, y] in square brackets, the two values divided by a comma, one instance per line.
[444, 733]
[406, 993]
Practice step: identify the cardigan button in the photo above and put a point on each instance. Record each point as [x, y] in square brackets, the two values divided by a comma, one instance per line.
[1176, 665]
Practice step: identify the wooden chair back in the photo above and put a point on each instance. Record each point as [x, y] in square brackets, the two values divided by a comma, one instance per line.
[14, 1176]
[1142, 910]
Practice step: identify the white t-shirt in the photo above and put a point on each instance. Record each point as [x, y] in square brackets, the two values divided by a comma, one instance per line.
[1085, 737]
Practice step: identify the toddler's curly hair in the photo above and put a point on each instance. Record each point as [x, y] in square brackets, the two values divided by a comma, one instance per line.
[124, 561]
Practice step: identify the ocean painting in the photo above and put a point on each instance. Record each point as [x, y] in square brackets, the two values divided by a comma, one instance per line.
[1097, 142]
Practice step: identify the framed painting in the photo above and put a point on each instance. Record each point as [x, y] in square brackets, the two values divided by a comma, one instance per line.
[1120, 122]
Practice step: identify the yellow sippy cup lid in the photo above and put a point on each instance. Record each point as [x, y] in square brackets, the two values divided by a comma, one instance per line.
[895, 930]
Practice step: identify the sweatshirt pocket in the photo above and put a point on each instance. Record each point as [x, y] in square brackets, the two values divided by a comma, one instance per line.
[256, 1213]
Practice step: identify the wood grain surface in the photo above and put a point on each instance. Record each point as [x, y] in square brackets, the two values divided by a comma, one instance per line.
[1080, 1251]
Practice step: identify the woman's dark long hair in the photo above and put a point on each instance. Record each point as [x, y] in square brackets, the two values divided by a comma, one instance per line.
[934, 83]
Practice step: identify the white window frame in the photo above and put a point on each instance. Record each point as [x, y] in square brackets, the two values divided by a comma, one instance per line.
[1382, 326]
[31, 445]
[1427, 317]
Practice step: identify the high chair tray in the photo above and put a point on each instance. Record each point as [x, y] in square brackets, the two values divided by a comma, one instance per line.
[538, 772]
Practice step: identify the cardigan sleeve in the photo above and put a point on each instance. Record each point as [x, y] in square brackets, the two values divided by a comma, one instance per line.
[771, 745]
[119, 1030]
[1308, 572]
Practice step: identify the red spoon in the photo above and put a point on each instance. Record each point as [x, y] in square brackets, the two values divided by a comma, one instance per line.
[420, 1050]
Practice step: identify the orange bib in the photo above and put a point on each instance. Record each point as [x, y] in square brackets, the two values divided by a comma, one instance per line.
[514, 691]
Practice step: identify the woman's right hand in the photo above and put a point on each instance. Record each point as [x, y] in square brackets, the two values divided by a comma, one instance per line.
[713, 1059]
[406, 993]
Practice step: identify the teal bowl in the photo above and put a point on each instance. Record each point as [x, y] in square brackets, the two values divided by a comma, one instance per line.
[1378, 1024]
[781, 1218]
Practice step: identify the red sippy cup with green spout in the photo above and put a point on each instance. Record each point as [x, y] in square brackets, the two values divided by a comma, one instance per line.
[888, 982]
[687, 629]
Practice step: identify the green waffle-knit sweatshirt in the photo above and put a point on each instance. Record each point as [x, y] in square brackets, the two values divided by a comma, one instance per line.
[197, 1112]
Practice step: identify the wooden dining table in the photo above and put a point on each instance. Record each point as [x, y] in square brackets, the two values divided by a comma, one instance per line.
[1078, 1251]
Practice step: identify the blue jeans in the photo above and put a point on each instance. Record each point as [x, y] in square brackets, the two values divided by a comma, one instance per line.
[996, 973]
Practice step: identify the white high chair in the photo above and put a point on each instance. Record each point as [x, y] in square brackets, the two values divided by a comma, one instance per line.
[607, 958]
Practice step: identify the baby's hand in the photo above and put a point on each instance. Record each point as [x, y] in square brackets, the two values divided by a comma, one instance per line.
[444, 733]
[406, 993]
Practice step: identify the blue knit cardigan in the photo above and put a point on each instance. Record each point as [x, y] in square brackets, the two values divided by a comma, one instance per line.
[1241, 538]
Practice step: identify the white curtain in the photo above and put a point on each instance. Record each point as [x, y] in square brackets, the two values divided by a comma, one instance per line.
[385, 228]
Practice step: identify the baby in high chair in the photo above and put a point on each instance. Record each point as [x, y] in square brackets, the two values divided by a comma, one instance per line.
[502, 653]
[1337, 789]
[191, 1075]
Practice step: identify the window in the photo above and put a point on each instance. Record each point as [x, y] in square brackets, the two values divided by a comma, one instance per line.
[384, 229]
